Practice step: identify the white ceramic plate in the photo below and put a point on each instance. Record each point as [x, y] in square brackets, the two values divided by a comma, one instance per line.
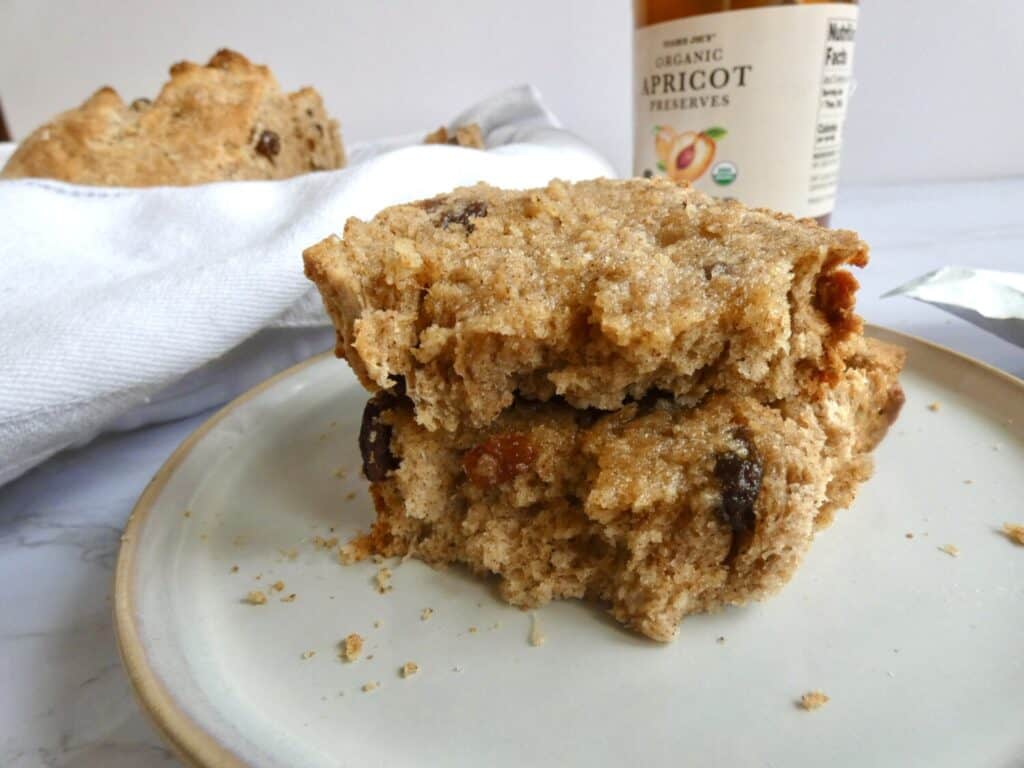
[920, 652]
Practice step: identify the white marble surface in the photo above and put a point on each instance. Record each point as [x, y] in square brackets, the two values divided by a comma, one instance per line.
[64, 700]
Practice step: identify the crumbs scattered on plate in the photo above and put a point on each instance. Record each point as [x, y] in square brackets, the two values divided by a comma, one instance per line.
[426, 613]
[933, 407]
[319, 542]
[256, 597]
[277, 586]
[289, 599]
[950, 550]
[383, 579]
[351, 647]
[536, 636]
[371, 686]
[1014, 532]
[410, 668]
[813, 700]
[348, 554]
[308, 655]
[355, 550]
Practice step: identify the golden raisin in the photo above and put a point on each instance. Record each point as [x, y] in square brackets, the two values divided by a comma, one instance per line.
[499, 459]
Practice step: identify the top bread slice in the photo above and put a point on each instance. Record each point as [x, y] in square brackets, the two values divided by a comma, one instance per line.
[598, 292]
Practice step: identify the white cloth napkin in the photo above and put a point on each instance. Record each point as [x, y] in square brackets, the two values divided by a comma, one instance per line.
[120, 307]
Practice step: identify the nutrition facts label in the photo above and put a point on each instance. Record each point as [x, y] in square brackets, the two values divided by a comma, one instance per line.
[836, 79]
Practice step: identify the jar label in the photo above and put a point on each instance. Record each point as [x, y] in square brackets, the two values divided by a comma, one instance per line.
[747, 104]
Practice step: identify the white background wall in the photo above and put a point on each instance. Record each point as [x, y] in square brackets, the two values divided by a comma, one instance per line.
[940, 83]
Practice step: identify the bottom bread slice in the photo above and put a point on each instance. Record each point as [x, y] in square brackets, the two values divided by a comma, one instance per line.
[657, 510]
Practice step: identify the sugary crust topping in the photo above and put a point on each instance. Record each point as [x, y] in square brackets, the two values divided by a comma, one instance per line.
[598, 292]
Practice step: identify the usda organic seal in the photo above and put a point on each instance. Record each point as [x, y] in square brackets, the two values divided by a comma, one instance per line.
[724, 173]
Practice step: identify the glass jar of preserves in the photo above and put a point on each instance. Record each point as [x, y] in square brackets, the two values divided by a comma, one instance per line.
[744, 98]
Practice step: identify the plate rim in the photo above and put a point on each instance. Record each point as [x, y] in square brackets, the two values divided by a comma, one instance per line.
[191, 743]
[189, 740]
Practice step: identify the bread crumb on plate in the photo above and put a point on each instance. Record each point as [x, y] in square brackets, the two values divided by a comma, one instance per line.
[256, 597]
[371, 686]
[410, 668]
[950, 550]
[813, 700]
[355, 550]
[319, 542]
[536, 636]
[383, 580]
[351, 647]
[1014, 532]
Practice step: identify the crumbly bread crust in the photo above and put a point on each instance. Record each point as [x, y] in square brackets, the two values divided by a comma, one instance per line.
[228, 120]
[872, 398]
[658, 510]
[463, 136]
[597, 292]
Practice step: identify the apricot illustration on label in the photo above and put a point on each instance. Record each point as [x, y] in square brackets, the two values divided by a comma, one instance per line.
[685, 156]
